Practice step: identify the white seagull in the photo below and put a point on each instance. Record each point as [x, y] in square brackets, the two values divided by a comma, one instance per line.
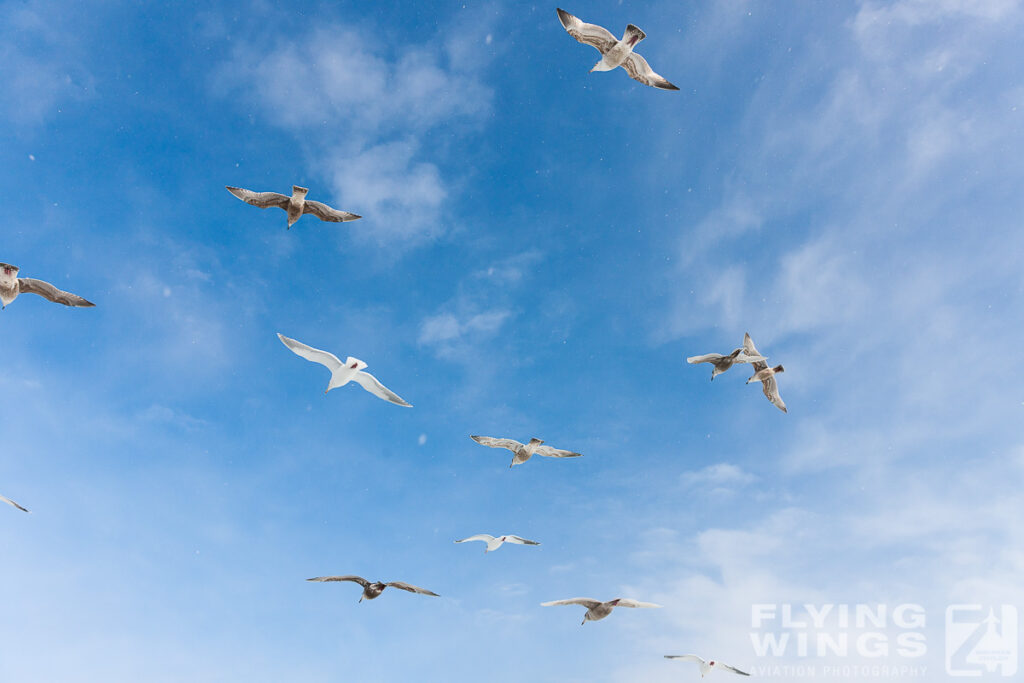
[296, 205]
[765, 375]
[11, 286]
[12, 503]
[524, 452]
[722, 363]
[343, 373]
[372, 590]
[597, 610]
[615, 52]
[706, 667]
[495, 543]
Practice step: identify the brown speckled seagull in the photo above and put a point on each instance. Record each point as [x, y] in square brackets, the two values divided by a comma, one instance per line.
[296, 205]
[11, 286]
[615, 52]
[524, 452]
[765, 375]
[374, 589]
[722, 363]
[597, 610]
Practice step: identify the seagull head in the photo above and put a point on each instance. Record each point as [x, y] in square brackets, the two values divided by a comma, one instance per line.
[9, 270]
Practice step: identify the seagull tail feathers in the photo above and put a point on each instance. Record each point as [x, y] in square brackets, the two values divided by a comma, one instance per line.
[633, 32]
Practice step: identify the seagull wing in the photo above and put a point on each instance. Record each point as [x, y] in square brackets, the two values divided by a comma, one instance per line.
[688, 658]
[706, 358]
[731, 668]
[491, 442]
[348, 577]
[486, 538]
[744, 358]
[549, 452]
[371, 384]
[12, 503]
[263, 200]
[48, 291]
[771, 390]
[520, 540]
[639, 70]
[588, 34]
[751, 350]
[589, 603]
[411, 588]
[325, 358]
[627, 602]
[326, 213]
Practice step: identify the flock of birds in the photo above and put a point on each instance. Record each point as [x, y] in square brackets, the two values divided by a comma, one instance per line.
[614, 53]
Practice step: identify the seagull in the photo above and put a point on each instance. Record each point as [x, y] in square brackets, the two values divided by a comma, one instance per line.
[524, 452]
[615, 52]
[706, 667]
[765, 375]
[495, 543]
[12, 503]
[11, 286]
[373, 590]
[343, 373]
[597, 610]
[723, 363]
[296, 205]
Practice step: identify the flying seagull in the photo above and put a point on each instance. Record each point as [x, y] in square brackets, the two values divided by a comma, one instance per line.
[373, 590]
[765, 375]
[722, 363]
[12, 503]
[524, 452]
[495, 543]
[343, 373]
[706, 667]
[597, 610]
[11, 286]
[615, 52]
[296, 205]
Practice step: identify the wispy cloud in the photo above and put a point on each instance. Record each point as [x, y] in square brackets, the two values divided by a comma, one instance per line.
[36, 81]
[720, 477]
[365, 110]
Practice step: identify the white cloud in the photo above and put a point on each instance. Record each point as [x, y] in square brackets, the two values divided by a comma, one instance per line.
[447, 328]
[403, 196]
[365, 112]
[39, 62]
[718, 477]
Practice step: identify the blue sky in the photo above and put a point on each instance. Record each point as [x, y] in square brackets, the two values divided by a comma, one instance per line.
[541, 249]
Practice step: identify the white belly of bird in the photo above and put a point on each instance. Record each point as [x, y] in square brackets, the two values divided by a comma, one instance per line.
[8, 294]
[614, 57]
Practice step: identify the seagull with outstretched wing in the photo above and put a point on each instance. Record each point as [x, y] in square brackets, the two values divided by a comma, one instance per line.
[343, 373]
[597, 610]
[523, 452]
[11, 286]
[706, 667]
[765, 375]
[722, 363]
[372, 590]
[615, 52]
[493, 543]
[296, 205]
